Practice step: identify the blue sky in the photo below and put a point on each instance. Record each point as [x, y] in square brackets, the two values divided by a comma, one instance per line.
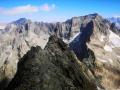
[56, 10]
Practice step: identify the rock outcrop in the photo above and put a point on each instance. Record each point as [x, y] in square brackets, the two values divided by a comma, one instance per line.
[54, 68]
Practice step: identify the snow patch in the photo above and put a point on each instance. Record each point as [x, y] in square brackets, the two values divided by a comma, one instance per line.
[107, 48]
[72, 38]
[65, 41]
[118, 56]
[98, 88]
[2, 27]
[104, 61]
[102, 38]
[110, 60]
[114, 40]
[101, 59]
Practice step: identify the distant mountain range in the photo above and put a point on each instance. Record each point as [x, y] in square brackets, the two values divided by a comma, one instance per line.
[115, 20]
[94, 40]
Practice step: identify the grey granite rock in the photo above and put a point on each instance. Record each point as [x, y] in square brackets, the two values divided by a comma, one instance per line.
[54, 68]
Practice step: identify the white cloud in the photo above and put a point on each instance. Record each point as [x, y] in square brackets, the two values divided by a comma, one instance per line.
[26, 9]
[47, 7]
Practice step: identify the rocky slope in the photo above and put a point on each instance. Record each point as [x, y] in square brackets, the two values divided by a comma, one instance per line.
[96, 34]
[54, 68]
[91, 37]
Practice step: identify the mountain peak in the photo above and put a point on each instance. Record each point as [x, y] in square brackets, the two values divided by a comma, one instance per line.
[21, 21]
[88, 17]
[93, 16]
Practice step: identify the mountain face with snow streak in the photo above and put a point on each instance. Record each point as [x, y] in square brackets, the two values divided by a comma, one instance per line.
[104, 41]
[115, 24]
[90, 37]
[115, 20]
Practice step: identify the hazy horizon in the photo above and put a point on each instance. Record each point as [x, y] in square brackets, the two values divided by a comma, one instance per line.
[55, 10]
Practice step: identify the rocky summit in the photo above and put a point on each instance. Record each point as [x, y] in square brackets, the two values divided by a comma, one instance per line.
[54, 68]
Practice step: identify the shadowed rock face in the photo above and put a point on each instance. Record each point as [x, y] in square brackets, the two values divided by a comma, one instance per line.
[92, 27]
[54, 68]
[79, 44]
[115, 29]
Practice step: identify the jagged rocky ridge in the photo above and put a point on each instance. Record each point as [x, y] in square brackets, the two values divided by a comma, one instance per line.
[54, 68]
[19, 36]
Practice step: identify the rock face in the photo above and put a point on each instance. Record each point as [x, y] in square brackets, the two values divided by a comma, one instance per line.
[102, 48]
[79, 44]
[54, 68]
[91, 37]
[91, 28]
